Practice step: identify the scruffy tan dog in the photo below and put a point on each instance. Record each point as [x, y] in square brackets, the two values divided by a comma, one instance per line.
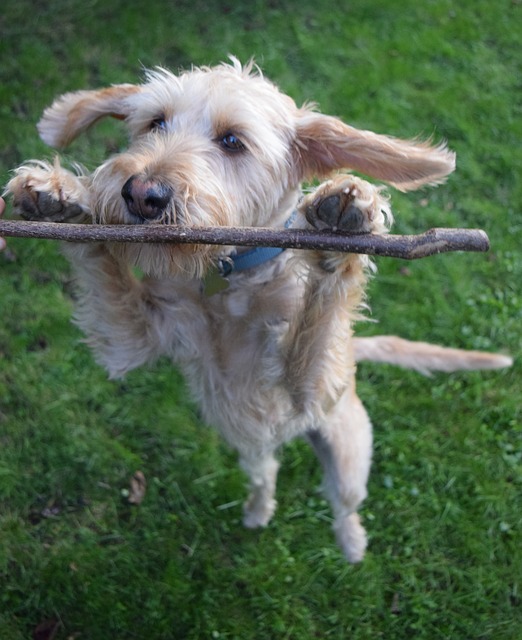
[272, 356]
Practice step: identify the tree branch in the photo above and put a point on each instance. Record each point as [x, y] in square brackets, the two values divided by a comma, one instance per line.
[407, 247]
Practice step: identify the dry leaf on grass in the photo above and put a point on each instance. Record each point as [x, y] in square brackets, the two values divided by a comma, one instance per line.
[138, 488]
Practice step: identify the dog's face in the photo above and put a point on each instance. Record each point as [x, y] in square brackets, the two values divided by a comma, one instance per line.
[218, 141]
[221, 147]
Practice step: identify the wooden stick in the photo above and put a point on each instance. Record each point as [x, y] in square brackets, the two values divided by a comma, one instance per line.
[407, 247]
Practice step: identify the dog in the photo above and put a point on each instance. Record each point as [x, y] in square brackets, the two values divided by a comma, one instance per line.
[272, 356]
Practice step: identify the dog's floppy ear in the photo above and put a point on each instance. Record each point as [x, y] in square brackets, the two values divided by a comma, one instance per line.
[74, 112]
[325, 144]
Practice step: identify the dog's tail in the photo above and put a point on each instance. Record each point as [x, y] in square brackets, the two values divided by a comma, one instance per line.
[424, 357]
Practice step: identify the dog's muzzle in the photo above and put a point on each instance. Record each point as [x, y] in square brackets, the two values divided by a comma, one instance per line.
[146, 199]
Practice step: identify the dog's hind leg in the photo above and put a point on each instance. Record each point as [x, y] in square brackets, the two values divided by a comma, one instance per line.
[261, 468]
[344, 448]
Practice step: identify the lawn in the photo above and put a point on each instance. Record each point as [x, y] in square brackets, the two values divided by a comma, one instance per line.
[444, 514]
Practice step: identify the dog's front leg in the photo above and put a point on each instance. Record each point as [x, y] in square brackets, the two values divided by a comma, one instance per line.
[318, 351]
[44, 191]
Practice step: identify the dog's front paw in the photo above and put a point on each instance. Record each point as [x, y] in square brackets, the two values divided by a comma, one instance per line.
[347, 203]
[46, 192]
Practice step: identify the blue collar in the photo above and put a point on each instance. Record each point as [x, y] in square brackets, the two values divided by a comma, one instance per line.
[252, 258]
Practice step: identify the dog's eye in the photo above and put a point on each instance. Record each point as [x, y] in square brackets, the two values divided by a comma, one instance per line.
[232, 143]
[158, 124]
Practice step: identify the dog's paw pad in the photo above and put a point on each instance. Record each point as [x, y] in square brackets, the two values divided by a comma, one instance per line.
[39, 205]
[339, 212]
[44, 192]
[346, 203]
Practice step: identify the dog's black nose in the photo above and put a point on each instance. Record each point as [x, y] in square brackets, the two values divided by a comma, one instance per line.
[146, 198]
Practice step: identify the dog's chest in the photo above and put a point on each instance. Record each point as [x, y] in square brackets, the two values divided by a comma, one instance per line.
[248, 322]
[238, 379]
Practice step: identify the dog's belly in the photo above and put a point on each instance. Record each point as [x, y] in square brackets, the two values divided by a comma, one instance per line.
[242, 392]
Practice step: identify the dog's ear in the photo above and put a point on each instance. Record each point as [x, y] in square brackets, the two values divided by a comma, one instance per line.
[325, 144]
[74, 112]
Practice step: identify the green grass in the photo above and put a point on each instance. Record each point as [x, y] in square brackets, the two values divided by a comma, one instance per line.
[444, 511]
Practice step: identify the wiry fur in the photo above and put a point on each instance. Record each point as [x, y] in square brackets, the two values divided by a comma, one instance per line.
[272, 357]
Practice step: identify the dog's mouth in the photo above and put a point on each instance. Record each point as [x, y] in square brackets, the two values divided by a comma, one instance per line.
[149, 201]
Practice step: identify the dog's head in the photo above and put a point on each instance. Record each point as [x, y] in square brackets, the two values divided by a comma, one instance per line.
[223, 146]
